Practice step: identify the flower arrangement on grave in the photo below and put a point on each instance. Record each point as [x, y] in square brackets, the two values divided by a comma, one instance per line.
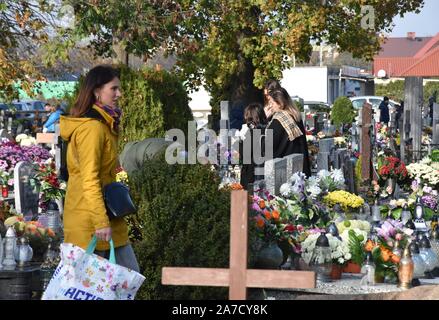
[359, 226]
[425, 172]
[273, 222]
[5, 176]
[340, 142]
[340, 252]
[392, 168]
[347, 201]
[315, 186]
[25, 140]
[46, 180]
[38, 235]
[11, 153]
[303, 195]
[386, 261]
[382, 135]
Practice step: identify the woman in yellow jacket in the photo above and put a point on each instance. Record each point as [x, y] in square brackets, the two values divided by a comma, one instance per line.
[92, 132]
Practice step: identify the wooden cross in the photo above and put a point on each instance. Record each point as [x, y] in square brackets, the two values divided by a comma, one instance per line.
[238, 277]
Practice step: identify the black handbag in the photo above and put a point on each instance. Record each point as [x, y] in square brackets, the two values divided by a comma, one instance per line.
[118, 201]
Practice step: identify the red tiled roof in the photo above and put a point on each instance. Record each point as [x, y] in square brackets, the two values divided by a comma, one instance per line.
[402, 47]
[393, 66]
[401, 57]
[428, 66]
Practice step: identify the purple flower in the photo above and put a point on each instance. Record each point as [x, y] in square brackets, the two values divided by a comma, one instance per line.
[429, 201]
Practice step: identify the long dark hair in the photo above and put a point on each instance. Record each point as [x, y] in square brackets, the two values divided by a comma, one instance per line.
[96, 78]
[254, 115]
[283, 99]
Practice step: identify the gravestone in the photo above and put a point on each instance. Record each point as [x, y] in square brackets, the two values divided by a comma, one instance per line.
[355, 137]
[405, 135]
[435, 124]
[349, 172]
[326, 144]
[26, 197]
[339, 156]
[294, 164]
[414, 95]
[5, 134]
[323, 161]
[366, 145]
[275, 172]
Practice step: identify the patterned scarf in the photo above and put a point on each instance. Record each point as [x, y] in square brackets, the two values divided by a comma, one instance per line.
[115, 113]
[288, 124]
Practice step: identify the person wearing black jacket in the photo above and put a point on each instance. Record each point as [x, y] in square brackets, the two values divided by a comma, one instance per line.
[384, 111]
[254, 118]
[289, 134]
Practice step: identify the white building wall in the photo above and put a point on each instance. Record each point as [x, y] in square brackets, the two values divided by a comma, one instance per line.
[309, 83]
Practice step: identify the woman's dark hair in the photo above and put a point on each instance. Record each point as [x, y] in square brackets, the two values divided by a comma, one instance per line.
[254, 115]
[96, 78]
[270, 85]
[284, 101]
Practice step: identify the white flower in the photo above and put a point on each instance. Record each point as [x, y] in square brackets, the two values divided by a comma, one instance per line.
[337, 175]
[285, 189]
[323, 174]
[314, 191]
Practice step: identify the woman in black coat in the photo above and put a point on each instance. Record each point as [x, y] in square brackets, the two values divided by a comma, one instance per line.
[254, 118]
[289, 134]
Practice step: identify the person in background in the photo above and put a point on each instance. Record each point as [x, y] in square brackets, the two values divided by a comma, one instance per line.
[289, 134]
[384, 111]
[53, 118]
[399, 113]
[270, 85]
[254, 118]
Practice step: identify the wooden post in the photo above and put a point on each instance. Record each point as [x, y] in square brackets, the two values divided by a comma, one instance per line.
[238, 278]
[366, 148]
[238, 245]
[413, 102]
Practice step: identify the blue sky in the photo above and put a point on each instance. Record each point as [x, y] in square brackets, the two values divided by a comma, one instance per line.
[426, 23]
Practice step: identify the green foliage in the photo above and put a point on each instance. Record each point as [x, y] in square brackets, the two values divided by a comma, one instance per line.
[184, 221]
[343, 111]
[395, 90]
[356, 248]
[153, 102]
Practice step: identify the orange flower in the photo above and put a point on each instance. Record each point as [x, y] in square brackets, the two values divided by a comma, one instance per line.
[50, 233]
[236, 186]
[261, 204]
[395, 258]
[275, 214]
[260, 222]
[267, 214]
[386, 254]
[369, 245]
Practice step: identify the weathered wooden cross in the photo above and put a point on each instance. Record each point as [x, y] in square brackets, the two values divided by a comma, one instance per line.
[238, 277]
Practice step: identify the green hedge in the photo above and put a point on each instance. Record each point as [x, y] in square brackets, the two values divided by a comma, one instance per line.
[153, 102]
[343, 111]
[182, 220]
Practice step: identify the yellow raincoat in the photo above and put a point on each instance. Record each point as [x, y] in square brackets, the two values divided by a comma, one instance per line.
[91, 162]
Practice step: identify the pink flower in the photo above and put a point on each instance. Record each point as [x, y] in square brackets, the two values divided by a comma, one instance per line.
[300, 228]
[398, 237]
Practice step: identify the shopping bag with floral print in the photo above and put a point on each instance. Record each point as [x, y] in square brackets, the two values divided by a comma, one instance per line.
[82, 275]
